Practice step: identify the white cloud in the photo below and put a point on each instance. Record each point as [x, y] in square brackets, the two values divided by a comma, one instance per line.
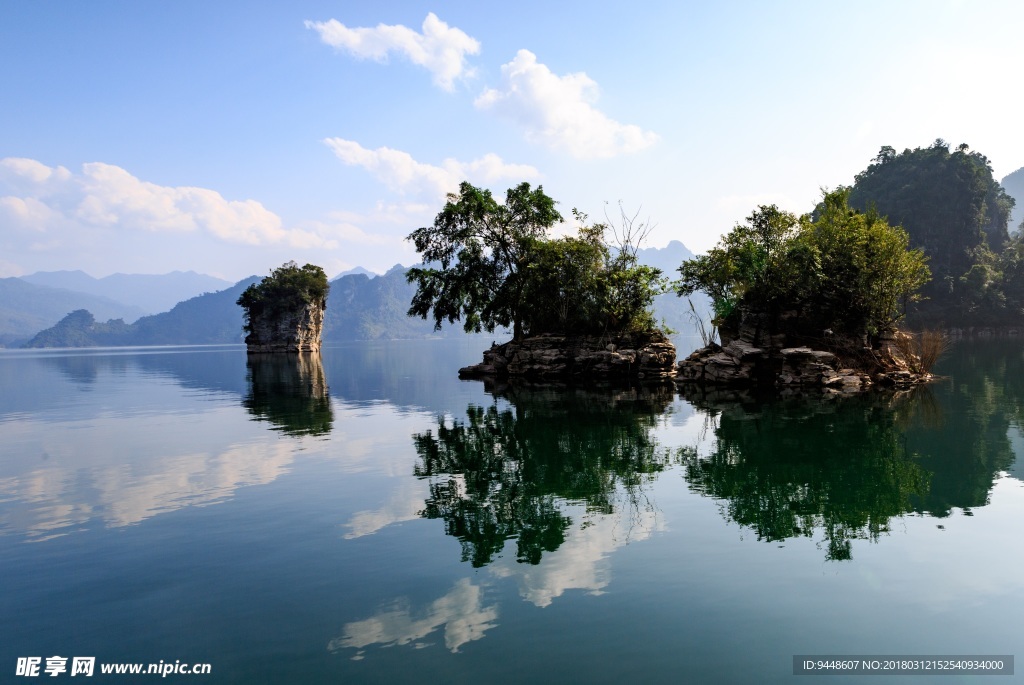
[46, 199]
[440, 49]
[558, 111]
[400, 172]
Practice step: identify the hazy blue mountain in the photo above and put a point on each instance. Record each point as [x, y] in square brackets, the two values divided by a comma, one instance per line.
[1013, 184]
[356, 271]
[666, 258]
[364, 308]
[151, 293]
[26, 308]
[208, 319]
[358, 308]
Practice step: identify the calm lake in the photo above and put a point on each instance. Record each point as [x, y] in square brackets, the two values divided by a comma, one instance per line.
[369, 518]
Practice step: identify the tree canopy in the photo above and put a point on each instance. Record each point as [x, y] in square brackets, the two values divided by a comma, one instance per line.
[957, 214]
[842, 269]
[493, 265]
[288, 288]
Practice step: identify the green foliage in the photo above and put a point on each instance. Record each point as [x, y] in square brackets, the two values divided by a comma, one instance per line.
[484, 250]
[844, 270]
[492, 265]
[863, 270]
[954, 210]
[751, 265]
[287, 289]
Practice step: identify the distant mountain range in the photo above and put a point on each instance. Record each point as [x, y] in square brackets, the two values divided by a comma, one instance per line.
[360, 306]
[150, 293]
[26, 308]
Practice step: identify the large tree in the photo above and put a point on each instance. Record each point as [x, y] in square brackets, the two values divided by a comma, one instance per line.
[483, 249]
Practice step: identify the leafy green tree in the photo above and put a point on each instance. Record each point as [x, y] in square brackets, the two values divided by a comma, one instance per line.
[492, 265]
[564, 283]
[287, 289]
[484, 250]
[844, 269]
[863, 271]
[751, 265]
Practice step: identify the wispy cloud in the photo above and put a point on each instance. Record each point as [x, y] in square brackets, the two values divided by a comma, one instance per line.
[400, 172]
[557, 111]
[440, 49]
[42, 199]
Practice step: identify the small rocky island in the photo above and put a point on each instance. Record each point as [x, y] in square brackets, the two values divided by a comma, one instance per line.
[579, 308]
[810, 302]
[626, 356]
[755, 358]
[284, 313]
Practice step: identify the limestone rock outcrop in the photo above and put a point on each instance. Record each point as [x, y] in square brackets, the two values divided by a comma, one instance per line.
[291, 331]
[753, 358]
[625, 356]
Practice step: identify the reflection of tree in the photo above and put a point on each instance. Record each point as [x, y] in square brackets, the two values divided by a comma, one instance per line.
[290, 391]
[981, 399]
[789, 468]
[502, 473]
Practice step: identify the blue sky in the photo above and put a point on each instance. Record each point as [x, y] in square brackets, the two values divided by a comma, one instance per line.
[229, 137]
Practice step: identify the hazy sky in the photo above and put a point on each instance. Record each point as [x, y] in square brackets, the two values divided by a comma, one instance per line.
[229, 137]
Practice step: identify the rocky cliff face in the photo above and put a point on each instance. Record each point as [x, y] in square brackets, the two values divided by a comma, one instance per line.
[626, 356]
[295, 331]
[755, 358]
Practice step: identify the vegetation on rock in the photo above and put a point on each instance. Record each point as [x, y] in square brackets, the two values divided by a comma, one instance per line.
[843, 270]
[287, 289]
[492, 265]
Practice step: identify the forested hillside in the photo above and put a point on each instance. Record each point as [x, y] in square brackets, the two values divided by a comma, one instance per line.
[955, 211]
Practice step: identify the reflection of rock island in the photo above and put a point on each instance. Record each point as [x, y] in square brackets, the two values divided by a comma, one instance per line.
[290, 391]
[806, 466]
[506, 472]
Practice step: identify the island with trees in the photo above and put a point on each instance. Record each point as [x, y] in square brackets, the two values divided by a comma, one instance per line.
[810, 301]
[285, 311]
[578, 309]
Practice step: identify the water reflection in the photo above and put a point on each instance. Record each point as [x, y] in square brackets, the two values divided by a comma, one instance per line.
[503, 473]
[982, 405]
[461, 613]
[290, 391]
[793, 467]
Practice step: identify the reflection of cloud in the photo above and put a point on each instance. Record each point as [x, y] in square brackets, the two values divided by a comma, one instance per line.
[53, 499]
[461, 612]
[581, 561]
[405, 504]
